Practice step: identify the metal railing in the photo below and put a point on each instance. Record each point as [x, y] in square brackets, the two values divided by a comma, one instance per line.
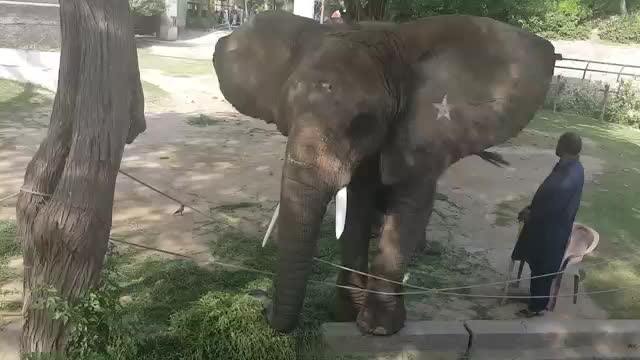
[588, 63]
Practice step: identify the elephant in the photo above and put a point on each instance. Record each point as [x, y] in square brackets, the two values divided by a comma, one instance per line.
[375, 112]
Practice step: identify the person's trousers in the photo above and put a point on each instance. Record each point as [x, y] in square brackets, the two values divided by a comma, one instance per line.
[540, 286]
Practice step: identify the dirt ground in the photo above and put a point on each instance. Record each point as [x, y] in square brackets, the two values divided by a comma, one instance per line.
[227, 158]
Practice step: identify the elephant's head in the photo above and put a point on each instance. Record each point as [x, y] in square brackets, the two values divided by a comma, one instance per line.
[415, 97]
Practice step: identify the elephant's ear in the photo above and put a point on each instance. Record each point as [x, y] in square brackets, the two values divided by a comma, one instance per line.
[478, 83]
[254, 61]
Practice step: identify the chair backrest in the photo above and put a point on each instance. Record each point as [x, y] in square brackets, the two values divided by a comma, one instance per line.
[582, 242]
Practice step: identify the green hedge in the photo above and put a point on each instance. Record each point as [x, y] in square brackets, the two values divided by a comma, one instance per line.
[625, 107]
[147, 7]
[621, 29]
[567, 19]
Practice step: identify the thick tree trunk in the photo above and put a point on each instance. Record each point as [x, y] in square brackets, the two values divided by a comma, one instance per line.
[99, 106]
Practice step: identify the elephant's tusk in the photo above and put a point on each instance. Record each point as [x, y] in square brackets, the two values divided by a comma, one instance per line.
[341, 211]
[271, 225]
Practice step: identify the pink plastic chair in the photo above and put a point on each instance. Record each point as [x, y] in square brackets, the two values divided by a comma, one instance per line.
[582, 242]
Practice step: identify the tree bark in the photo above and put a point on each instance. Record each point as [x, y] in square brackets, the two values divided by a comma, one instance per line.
[99, 106]
[623, 8]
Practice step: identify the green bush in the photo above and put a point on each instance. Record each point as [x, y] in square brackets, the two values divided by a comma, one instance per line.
[625, 107]
[584, 98]
[9, 247]
[8, 244]
[147, 7]
[98, 327]
[229, 326]
[621, 29]
[566, 19]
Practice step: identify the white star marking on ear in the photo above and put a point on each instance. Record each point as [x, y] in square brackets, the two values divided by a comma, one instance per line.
[444, 109]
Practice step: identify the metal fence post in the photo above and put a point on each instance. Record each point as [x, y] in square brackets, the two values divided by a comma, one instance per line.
[586, 68]
[604, 101]
[558, 91]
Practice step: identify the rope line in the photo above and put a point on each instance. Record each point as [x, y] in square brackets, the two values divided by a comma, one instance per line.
[239, 267]
[503, 282]
[466, 287]
[9, 197]
[34, 192]
[163, 193]
[406, 293]
[423, 290]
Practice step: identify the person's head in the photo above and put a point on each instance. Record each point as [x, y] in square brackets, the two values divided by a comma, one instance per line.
[569, 144]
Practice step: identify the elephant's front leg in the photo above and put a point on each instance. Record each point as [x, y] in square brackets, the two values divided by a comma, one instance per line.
[354, 250]
[403, 230]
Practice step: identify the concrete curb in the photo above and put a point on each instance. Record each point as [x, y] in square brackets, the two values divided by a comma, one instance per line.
[496, 339]
[545, 334]
[447, 336]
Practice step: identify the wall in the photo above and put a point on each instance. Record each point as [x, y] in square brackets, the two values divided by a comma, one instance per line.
[30, 27]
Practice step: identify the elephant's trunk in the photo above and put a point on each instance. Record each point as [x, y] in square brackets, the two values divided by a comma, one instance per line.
[303, 201]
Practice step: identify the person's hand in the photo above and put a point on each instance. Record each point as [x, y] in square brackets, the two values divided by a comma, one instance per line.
[524, 214]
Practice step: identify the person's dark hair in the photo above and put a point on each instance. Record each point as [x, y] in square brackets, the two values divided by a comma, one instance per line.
[570, 143]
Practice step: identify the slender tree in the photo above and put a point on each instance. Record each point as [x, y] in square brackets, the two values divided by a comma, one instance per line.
[65, 210]
[623, 8]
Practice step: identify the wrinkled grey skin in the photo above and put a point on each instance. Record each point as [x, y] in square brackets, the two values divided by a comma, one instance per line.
[357, 105]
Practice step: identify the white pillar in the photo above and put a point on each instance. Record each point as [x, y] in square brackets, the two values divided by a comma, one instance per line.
[169, 21]
[303, 8]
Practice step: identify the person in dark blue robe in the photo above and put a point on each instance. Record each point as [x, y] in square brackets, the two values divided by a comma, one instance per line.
[548, 221]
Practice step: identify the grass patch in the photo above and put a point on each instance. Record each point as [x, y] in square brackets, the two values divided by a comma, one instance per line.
[181, 310]
[176, 67]
[9, 248]
[610, 205]
[450, 266]
[18, 102]
[17, 96]
[155, 98]
[8, 245]
[202, 120]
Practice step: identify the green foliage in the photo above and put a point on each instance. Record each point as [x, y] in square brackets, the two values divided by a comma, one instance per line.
[160, 309]
[503, 10]
[98, 329]
[9, 246]
[564, 19]
[621, 29]
[585, 99]
[147, 7]
[22, 97]
[228, 326]
[171, 66]
[582, 98]
[625, 107]
[550, 18]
